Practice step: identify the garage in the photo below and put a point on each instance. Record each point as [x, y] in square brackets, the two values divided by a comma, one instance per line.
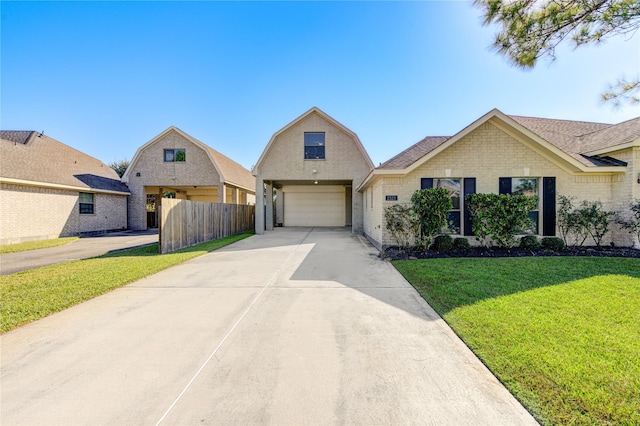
[307, 205]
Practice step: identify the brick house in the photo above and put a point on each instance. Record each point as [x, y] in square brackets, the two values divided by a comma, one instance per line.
[179, 165]
[315, 165]
[499, 153]
[50, 190]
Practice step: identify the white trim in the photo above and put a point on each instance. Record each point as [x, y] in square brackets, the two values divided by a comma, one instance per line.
[60, 186]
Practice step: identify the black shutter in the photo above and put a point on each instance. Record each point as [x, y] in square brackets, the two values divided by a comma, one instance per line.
[426, 183]
[549, 206]
[504, 185]
[469, 187]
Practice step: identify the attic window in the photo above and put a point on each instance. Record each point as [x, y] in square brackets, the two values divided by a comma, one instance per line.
[314, 146]
[174, 156]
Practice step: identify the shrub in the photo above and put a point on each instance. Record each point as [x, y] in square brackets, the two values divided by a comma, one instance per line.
[594, 219]
[498, 218]
[530, 242]
[553, 243]
[431, 207]
[461, 244]
[401, 223]
[442, 243]
[631, 224]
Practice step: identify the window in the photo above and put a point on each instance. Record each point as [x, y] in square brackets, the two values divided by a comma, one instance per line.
[86, 203]
[524, 186]
[453, 187]
[314, 146]
[174, 155]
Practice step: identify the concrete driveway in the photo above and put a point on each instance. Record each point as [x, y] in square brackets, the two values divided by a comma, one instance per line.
[79, 249]
[294, 327]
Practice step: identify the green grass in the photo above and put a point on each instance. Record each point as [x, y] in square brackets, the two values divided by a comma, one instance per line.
[31, 295]
[34, 245]
[563, 334]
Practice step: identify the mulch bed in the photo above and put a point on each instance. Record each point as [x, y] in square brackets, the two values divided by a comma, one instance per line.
[393, 253]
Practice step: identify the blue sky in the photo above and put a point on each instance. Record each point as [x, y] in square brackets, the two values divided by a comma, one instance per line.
[106, 77]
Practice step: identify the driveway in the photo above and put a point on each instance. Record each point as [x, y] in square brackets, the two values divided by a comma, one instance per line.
[79, 249]
[294, 327]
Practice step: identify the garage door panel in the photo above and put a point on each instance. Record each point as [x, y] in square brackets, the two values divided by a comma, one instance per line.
[314, 209]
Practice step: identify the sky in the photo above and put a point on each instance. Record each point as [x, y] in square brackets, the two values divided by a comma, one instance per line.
[106, 77]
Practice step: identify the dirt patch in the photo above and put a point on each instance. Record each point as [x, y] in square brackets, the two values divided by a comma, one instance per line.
[394, 253]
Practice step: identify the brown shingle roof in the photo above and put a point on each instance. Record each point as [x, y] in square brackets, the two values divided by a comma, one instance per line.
[575, 138]
[26, 155]
[414, 153]
[233, 172]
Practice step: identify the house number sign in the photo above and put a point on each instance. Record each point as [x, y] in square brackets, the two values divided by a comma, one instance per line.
[391, 198]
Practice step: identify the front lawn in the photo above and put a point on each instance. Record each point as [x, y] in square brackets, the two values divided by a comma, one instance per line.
[34, 245]
[563, 334]
[30, 295]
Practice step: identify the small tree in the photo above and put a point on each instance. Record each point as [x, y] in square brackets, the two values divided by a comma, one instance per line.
[632, 223]
[498, 218]
[431, 207]
[120, 166]
[595, 220]
[401, 223]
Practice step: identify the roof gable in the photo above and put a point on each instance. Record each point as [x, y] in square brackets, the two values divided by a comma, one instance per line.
[30, 157]
[322, 114]
[229, 171]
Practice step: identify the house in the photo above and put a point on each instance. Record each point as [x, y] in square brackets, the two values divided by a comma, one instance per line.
[50, 190]
[180, 166]
[499, 153]
[314, 164]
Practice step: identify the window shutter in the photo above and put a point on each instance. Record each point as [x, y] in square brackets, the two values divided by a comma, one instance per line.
[549, 206]
[469, 187]
[504, 185]
[426, 183]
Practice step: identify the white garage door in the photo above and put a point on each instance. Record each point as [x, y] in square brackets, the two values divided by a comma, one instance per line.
[315, 206]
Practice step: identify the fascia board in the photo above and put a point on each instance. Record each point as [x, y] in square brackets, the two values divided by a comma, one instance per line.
[60, 186]
[630, 144]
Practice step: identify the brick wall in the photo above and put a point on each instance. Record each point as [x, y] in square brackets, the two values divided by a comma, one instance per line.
[197, 170]
[33, 213]
[487, 154]
[343, 160]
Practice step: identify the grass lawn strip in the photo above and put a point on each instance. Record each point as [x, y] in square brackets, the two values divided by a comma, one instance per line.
[563, 334]
[35, 245]
[31, 295]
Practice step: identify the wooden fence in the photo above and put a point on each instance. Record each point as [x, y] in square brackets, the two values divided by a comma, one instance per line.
[186, 223]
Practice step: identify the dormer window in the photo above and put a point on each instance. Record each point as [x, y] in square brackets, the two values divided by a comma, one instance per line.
[314, 146]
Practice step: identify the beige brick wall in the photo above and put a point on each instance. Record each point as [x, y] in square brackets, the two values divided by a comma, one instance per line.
[343, 160]
[197, 170]
[487, 154]
[33, 213]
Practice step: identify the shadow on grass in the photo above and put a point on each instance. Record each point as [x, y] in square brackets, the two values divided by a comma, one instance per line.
[447, 284]
[152, 249]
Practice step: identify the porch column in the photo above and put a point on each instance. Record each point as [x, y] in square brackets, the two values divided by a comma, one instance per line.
[279, 206]
[269, 207]
[259, 206]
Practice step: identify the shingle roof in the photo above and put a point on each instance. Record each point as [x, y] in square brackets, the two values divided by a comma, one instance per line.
[29, 156]
[575, 138]
[414, 153]
[233, 172]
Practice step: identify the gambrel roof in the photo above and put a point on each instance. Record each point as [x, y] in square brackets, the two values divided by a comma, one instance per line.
[31, 158]
[230, 172]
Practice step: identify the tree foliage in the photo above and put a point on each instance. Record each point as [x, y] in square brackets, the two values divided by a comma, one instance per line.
[631, 222]
[120, 166]
[532, 29]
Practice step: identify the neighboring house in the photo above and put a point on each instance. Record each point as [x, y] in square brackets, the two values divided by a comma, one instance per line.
[51, 190]
[315, 165]
[509, 154]
[178, 165]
